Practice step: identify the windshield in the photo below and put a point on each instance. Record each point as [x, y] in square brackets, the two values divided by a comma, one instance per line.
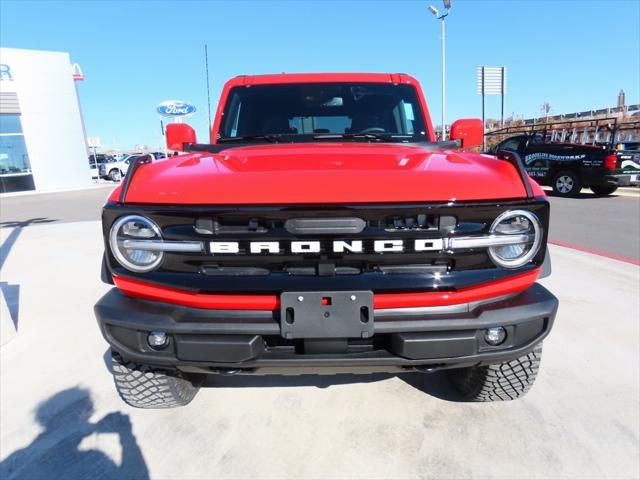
[309, 112]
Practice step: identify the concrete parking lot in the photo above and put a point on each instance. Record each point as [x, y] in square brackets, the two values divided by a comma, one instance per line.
[61, 417]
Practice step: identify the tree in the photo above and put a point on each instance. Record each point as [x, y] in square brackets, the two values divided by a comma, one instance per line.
[545, 108]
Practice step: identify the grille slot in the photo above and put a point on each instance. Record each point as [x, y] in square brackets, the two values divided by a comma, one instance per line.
[320, 226]
[213, 226]
[419, 222]
[415, 269]
[233, 271]
[311, 271]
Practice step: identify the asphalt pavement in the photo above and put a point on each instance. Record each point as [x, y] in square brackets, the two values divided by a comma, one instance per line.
[60, 416]
[58, 207]
[605, 225]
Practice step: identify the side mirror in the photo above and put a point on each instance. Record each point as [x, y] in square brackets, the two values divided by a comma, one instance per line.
[469, 131]
[507, 155]
[178, 134]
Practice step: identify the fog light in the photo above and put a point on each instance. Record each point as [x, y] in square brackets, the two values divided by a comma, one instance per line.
[495, 335]
[157, 339]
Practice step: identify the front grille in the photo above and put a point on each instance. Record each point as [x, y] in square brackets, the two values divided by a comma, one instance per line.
[326, 269]
[419, 222]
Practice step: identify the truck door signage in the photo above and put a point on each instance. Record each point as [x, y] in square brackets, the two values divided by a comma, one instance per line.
[532, 157]
[629, 164]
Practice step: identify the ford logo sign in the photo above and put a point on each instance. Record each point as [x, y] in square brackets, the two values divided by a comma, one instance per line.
[172, 108]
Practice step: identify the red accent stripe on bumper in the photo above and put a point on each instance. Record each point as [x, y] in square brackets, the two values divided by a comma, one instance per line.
[150, 291]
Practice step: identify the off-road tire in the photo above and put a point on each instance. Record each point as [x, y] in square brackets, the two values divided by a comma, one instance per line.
[142, 386]
[567, 183]
[603, 190]
[504, 381]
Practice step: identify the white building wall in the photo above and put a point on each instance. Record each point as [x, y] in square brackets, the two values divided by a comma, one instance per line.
[50, 115]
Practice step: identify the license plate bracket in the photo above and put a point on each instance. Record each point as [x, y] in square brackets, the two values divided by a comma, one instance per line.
[326, 314]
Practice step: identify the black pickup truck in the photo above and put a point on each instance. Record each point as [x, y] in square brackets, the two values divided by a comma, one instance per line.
[567, 167]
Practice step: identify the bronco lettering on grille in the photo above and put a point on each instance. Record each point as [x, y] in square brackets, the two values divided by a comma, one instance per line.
[336, 246]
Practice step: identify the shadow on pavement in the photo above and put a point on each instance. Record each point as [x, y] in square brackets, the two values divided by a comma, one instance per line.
[10, 292]
[106, 358]
[26, 223]
[435, 384]
[11, 295]
[304, 380]
[57, 452]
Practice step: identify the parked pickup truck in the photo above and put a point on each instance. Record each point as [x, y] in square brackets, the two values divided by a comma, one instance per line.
[567, 167]
[323, 229]
[97, 165]
[629, 155]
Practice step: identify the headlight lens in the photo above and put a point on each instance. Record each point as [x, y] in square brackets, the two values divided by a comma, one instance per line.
[520, 223]
[135, 227]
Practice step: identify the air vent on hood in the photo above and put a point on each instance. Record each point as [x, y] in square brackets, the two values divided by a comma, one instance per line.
[213, 226]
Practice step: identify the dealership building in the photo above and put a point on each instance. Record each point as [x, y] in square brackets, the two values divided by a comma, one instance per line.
[42, 137]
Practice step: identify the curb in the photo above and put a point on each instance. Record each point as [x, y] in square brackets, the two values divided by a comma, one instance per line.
[620, 192]
[594, 251]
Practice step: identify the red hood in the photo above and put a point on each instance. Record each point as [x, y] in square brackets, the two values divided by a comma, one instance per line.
[324, 173]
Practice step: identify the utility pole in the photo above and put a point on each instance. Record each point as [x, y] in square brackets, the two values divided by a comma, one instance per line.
[441, 17]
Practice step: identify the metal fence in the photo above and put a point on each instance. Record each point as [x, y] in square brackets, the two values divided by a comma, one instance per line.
[598, 131]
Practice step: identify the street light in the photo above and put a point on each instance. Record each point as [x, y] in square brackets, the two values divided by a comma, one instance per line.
[442, 16]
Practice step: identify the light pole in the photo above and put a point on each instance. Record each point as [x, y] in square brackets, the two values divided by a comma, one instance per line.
[442, 16]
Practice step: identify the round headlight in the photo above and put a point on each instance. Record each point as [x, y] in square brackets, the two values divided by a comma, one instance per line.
[135, 227]
[521, 224]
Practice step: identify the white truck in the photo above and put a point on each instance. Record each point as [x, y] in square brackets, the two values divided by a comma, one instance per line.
[115, 171]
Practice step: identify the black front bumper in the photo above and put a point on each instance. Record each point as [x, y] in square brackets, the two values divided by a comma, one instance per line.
[217, 341]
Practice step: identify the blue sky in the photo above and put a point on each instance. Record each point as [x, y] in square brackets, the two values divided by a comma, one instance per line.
[576, 55]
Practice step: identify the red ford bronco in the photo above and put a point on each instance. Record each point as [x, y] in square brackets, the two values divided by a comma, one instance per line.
[323, 229]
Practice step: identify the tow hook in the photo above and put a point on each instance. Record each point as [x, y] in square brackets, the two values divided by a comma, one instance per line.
[227, 372]
[428, 368]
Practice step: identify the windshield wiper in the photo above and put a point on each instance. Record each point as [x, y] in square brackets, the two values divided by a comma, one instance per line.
[274, 138]
[278, 137]
[387, 137]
